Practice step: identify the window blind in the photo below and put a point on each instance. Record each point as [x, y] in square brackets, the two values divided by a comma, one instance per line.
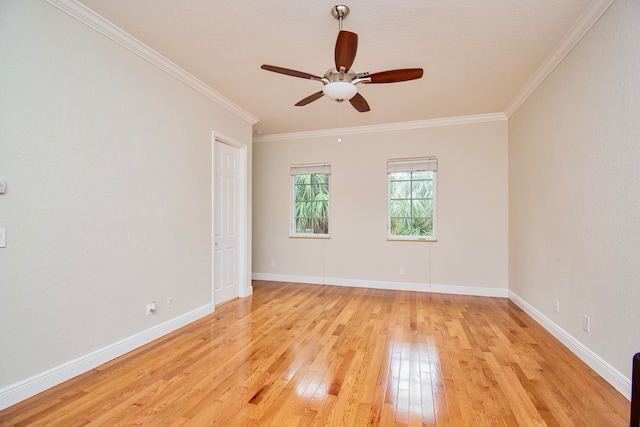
[412, 165]
[311, 169]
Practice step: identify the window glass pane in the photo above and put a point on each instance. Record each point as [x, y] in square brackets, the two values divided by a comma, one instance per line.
[400, 189]
[319, 192]
[422, 226]
[401, 208]
[428, 207]
[422, 175]
[320, 225]
[421, 189]
[400, 226]
[303, 179]
[319, 178]
[398, 176]
[303, 225]
[303, 192]
[419, 208]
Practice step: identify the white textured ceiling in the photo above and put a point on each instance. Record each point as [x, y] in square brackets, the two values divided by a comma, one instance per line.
[477, 54]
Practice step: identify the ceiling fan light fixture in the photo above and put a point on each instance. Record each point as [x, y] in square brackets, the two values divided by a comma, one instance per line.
[340, 91]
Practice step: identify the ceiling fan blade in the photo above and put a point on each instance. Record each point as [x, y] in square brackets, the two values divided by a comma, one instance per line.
[289, 72]
[394, 76]
[346, 47]
[309, 99]
[359, 103]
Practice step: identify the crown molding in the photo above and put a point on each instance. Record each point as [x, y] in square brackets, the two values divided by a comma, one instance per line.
[388, 127]
[111, 31]
[577, 32]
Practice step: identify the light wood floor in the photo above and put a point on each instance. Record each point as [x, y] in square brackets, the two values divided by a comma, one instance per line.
[321, 355]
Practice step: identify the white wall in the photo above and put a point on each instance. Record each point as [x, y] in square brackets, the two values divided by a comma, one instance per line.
[109, 204]
[574, 199]
[470, 255]
[108, 165]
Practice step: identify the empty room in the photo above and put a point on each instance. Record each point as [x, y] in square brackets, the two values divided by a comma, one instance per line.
[317, 213]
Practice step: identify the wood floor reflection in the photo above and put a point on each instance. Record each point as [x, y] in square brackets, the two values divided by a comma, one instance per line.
[294, 355]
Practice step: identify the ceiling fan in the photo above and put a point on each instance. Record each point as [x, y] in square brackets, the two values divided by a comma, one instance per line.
[341, 83]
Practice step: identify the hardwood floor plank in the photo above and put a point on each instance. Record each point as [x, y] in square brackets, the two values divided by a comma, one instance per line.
[313, 355]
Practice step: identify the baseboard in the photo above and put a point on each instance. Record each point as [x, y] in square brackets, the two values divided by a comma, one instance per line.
[245, 291]
[595, 362]
[396, 286]
[30, 387]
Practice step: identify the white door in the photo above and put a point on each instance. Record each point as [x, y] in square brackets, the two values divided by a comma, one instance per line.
[225, 234]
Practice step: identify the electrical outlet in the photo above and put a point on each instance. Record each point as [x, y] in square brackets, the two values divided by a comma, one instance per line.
[401, 270]
[151, 308]
[586, 323]
[273, 264]
[557, 306]
[169, 302]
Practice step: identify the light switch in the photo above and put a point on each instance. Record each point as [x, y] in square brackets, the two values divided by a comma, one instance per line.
[3, 237]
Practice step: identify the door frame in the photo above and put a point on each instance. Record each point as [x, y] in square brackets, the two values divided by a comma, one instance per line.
[244, 285]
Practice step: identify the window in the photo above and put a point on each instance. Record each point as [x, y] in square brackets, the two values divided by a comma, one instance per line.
[310, 200]
[412, 199]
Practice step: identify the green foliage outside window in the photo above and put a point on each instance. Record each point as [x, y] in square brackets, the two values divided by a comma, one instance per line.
[411, 203]
[311, 204]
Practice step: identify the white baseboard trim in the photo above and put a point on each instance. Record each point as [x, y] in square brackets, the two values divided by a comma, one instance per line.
[394, 286]
[31, 386]
[595, 362]
[246, 291]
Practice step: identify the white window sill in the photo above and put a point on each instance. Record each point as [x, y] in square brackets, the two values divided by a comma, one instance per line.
[411, 239]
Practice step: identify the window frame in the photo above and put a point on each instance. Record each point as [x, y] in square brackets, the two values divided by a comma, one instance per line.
[308, 169]
[418, 164]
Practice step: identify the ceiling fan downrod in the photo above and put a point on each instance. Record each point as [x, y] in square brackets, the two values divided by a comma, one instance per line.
[340, 12]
